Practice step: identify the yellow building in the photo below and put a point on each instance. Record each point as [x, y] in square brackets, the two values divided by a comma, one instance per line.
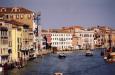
[4, 42]
[15, 41]
[20, 40]
[16, 35]
[21, 32]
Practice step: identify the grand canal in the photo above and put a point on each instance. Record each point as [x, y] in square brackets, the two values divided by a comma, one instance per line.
[74, 64]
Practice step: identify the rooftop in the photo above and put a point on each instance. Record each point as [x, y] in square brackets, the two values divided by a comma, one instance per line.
[5, 10]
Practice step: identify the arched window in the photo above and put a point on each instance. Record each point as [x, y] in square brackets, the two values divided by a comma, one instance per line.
[3, 10]
[15, 9]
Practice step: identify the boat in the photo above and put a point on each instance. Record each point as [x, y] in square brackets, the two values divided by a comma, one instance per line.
[58, 73]
[112, 54]
[110, 57]
[89, 53]
[62, 55]
[109, 54]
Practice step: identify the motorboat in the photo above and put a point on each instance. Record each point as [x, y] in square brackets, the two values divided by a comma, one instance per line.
[62, 55]
[109, 55]
[112, 55]
[89, 53]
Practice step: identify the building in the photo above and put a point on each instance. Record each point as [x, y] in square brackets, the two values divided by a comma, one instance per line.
[5, 43]
[113, 38]
[80, 38]
[16, 40]
[86, 39]
[101, 36]
[75, 42]
[61, 39]
[37, 31]
[46, 39]
[19, 14]
[21, 21]
[75, 35]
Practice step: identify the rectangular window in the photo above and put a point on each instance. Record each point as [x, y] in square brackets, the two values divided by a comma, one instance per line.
[9, 33]
[11, 16]
[10, 44]
[7, 16]
[18, 40]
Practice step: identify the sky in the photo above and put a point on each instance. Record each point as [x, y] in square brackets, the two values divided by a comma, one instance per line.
[59, 13]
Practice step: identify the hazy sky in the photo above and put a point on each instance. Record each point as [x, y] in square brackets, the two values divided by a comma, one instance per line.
[58, 13]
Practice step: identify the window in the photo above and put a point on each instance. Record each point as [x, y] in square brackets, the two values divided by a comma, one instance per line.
[1, 33]
[86, 35]
[29, 16]
[80, 34]
[6, 33]
[0, 23]
[11, 16]
[15, 10]
[93, 35]
[21, 16]
[44, 43]
[4, 41]
[18, 40]
[9, 33]
[3, 10]
[90, 35]
[7, 16]
[10, 44]
[17, 16]
[18, 10]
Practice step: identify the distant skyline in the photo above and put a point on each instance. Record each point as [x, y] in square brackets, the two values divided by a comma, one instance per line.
[59, 13]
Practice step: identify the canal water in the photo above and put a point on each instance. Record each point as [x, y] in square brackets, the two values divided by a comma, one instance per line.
[74, 64]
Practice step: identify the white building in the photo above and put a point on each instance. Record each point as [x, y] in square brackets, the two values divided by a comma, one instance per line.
[85, 39]
[61, 40]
